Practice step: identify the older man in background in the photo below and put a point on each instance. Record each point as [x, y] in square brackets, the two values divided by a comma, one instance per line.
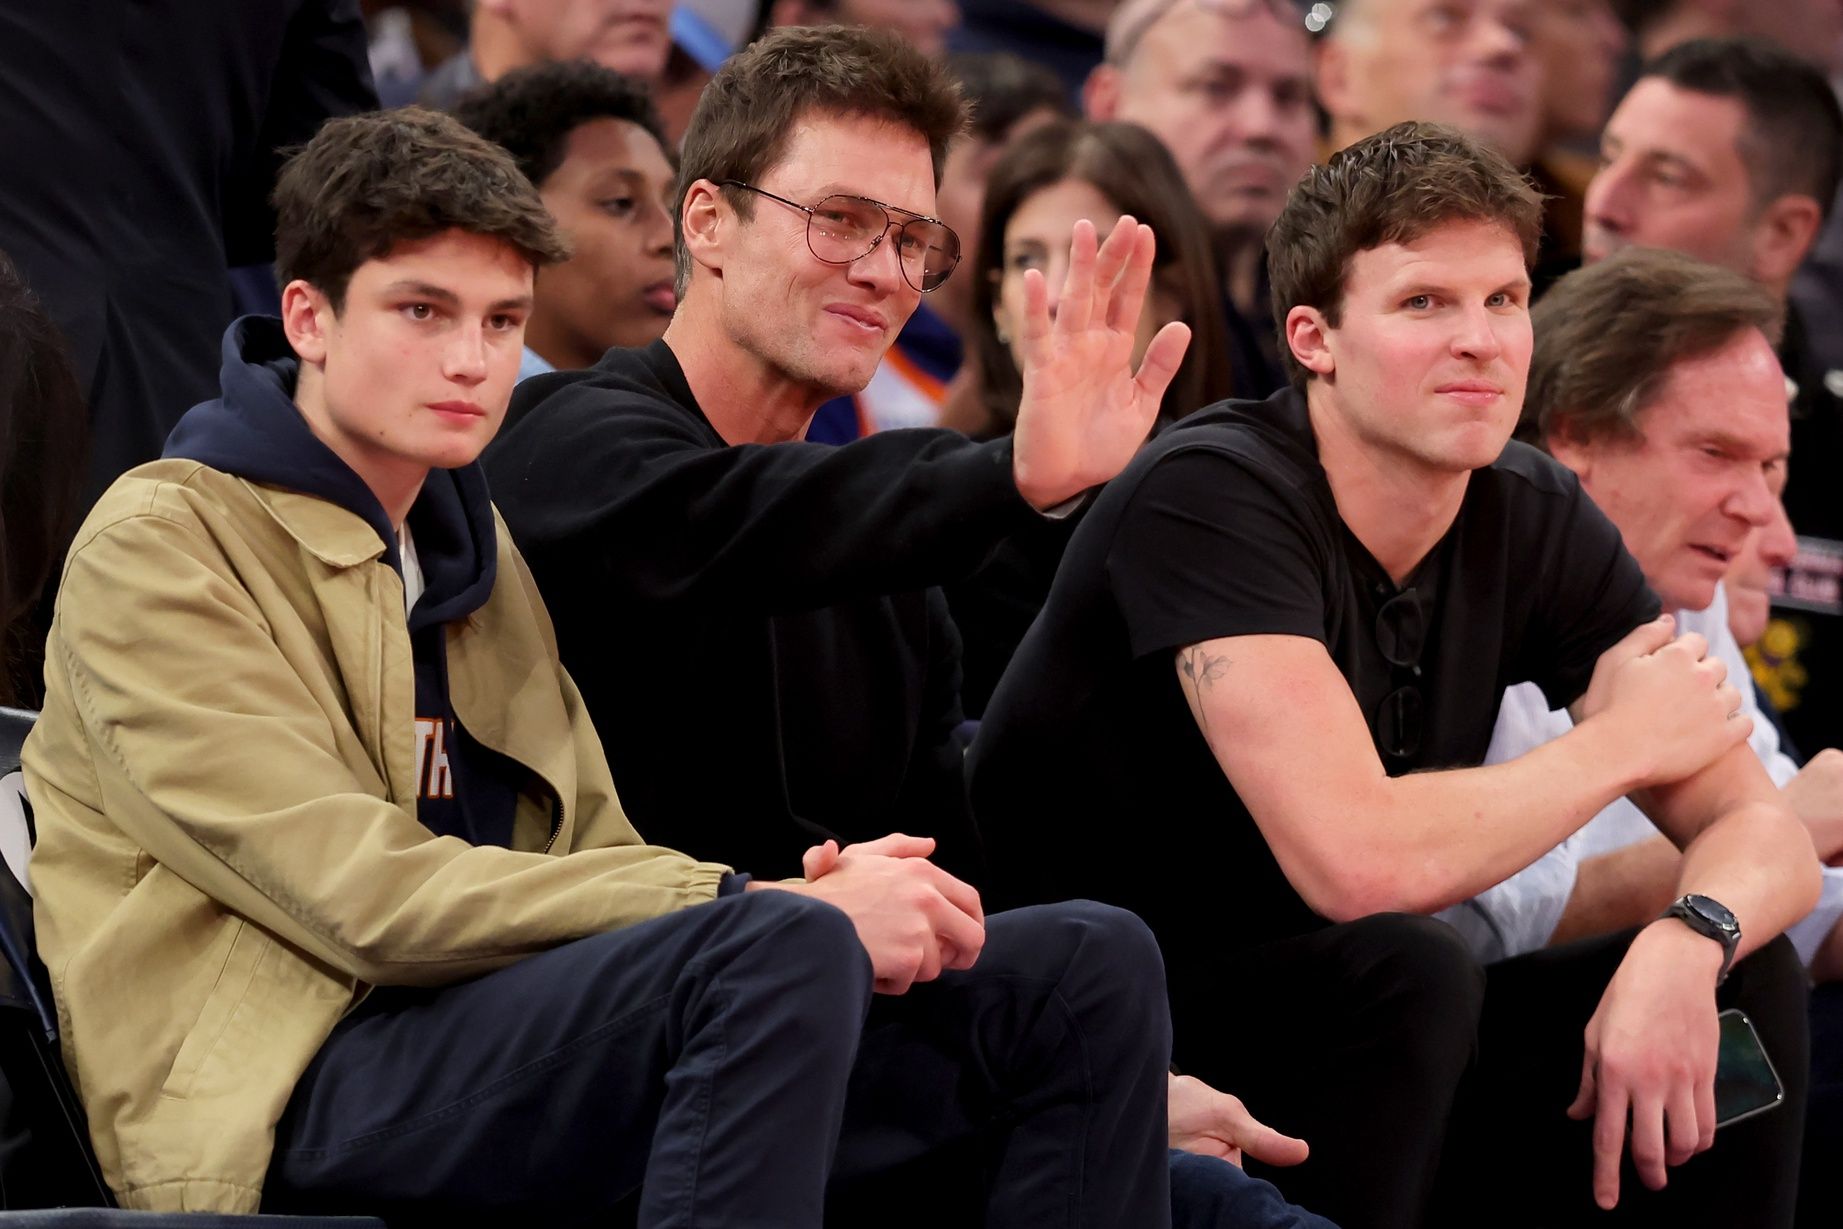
[1227, 86]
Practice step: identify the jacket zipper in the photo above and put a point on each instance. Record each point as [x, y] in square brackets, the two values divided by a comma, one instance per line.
[556, 822]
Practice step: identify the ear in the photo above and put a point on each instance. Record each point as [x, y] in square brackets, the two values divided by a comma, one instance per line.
[1309, 338]
[1100, 93]
[705, 217]
[1782, 235]
[307, 318]
[1567, 445]
[789, 13]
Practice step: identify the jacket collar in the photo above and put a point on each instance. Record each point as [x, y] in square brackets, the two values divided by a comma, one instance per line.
[334, 535]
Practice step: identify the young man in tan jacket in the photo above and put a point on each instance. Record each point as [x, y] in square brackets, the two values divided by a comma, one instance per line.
[337, 898]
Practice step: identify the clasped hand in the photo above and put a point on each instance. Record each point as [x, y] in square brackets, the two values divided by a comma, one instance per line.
[913, 918]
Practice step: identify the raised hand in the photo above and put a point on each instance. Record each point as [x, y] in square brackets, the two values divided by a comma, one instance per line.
[1084, 411]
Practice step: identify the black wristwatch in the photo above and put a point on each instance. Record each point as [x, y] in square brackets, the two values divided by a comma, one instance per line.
[1709, 917]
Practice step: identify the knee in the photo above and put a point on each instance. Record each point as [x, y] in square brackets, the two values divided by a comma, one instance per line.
[1109, 946]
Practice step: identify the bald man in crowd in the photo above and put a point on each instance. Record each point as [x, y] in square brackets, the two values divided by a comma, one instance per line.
[1227, 86]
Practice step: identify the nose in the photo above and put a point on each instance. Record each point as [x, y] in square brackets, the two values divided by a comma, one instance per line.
[1778, 543]
[1495, 41]
[1754, 502]
[1476, 336]
[1257, 115]
[881, 267]
[464, 361]
[659, 231]
[1609, 197]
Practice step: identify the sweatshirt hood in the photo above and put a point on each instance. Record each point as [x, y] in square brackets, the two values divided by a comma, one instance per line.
[255, 431]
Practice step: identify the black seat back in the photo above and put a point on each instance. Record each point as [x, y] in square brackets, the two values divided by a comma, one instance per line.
[45, 1155]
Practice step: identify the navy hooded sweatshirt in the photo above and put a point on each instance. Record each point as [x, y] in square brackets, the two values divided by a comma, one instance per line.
[254, 431]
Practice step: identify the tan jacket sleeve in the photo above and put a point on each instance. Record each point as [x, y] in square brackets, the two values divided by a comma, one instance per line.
[222, 744]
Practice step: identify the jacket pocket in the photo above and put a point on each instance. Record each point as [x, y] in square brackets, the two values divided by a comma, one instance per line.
[247, 946]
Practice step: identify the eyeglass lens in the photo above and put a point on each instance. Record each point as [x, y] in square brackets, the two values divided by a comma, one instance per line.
[841, 229]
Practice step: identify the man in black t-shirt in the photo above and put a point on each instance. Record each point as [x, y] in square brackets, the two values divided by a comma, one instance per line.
[1252, 705]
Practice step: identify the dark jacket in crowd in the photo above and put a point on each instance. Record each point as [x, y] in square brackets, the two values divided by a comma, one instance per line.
[138, 152]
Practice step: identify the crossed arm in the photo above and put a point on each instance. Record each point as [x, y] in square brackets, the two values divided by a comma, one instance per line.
[1658, 722]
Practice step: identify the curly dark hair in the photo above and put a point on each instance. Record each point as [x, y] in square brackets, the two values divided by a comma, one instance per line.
[368, 182]
[531, 111]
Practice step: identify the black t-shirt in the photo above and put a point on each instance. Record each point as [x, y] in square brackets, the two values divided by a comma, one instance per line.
[1089, 775]
[756, 629]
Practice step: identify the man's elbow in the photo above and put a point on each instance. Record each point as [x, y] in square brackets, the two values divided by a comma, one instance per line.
[1345, 887]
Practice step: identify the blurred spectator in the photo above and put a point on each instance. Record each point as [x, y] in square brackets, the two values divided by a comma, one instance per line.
[1730, 150]
[629, 36]
[925, 23]
[1052, 178]
[923, 381]
[409, 37]
[1473, 64]
[1809, 28]
[589, 138]
[1062, 35]
[125, 194]
[1579, 44]
[1227, 86]
[43, 447]
[1468, 63]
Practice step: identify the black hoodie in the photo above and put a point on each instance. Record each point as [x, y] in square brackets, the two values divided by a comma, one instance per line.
[254, 431]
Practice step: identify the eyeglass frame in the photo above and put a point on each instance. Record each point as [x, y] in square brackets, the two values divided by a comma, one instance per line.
[888, 212]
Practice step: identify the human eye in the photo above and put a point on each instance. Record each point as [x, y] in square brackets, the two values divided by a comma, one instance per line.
[1418, 302]
[419, 312]
[618, 206]
[1503, 298]
[504, 322]
[1024, 258]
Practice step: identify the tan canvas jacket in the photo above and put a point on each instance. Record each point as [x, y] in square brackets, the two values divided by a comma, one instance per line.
[228, 854]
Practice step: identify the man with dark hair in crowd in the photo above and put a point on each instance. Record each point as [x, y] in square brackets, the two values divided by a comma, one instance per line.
[1275, 648]
[589, 139]
[710, 570]
[135, 169]
[629, 36]
[340, 906]
[1731, 151]
[1227, 86]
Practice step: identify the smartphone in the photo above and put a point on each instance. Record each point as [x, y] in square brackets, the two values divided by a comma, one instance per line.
[1745, 1082]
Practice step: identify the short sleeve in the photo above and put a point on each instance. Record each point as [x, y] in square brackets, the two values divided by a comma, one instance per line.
[1589, 593]
[1213, 545]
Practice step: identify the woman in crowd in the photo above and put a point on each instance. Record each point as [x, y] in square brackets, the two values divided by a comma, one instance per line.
[1049, 179]
[44, 446]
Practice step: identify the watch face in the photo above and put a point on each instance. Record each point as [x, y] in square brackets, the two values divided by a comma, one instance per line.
[1713, 912]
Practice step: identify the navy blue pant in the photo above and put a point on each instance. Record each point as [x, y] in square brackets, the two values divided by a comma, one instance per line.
[729, 1061]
